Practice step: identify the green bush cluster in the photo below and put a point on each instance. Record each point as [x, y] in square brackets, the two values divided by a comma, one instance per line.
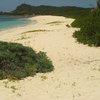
[18, 61]
[89, 29]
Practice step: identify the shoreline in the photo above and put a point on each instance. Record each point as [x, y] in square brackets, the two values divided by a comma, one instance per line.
[19, 16]
[29, 22]
[77, 73]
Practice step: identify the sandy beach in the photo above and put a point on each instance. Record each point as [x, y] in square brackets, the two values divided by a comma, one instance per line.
[77, 66]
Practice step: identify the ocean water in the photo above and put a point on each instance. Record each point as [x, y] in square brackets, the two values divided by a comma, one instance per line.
[9, 22]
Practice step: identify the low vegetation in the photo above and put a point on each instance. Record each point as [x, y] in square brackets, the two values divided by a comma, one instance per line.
[89, 32]
[36, 31]
[55, 22]
[18, 61]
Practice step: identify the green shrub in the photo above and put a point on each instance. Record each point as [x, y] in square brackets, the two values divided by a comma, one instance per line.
[18, 61]
[90, 29]
[43, 63]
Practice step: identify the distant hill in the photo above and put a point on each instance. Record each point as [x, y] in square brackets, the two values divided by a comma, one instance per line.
[25, 9]
[67, 11]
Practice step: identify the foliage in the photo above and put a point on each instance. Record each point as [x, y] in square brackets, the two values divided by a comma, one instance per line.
[90, 29]
[18, 61]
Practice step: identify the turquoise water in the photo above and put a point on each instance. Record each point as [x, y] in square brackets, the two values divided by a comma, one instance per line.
[8, 22]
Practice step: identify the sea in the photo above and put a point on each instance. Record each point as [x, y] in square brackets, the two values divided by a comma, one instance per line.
[11, 21]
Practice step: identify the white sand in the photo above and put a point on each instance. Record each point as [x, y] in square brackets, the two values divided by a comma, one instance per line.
[77, 66]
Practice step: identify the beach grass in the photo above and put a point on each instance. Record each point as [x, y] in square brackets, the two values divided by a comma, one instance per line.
[55, 22]
[40, 30]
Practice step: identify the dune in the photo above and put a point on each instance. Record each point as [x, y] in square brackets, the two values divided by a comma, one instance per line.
[77, 66]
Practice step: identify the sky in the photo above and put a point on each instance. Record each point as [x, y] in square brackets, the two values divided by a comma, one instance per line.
[9, 5]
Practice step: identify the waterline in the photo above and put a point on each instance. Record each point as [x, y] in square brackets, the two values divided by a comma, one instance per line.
[7, 22]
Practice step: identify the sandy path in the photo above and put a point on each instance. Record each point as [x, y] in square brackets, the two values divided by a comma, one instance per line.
[77, 66]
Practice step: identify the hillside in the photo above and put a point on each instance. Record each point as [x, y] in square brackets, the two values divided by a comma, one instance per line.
[49, 10]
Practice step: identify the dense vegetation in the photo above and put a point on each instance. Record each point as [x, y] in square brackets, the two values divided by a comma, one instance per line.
[18, 61]
[89, 32]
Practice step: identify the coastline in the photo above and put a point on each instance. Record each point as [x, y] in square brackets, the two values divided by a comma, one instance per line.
[76, 75]
[24, 22]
